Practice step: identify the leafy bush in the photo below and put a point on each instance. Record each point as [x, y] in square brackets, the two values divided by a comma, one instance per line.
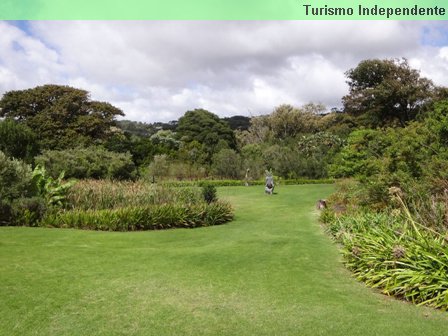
[15, 179]
[227, 164]
[152, 217]
[92, 162]
[27, 211]
[209, 193]
[15, 184]
[26, 194]
[18, 140]
[54, 191]
[5, 213]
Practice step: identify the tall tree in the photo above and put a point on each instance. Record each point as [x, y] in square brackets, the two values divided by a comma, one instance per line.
[207, 129]
[61, 116]
[386, 92]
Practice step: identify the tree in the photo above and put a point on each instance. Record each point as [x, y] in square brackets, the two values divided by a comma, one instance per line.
[61, 116]
[386, 92]
[287, 121]
[206, 128]
[258, 132]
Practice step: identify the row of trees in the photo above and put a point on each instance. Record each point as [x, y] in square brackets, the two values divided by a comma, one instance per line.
[42, 123]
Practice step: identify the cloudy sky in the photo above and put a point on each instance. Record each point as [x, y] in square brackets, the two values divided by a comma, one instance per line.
[157, 70]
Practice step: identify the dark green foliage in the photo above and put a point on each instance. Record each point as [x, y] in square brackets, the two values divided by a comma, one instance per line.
[92, 162]
[5, 212]
[17, 140]
[413, 158]
[207, 129]
[136, 128]
[15, 179]
[209, 193]
[25, 195]
[238, 122]
[61, 116]
[27, 211]
[155, 217]
[16, 187]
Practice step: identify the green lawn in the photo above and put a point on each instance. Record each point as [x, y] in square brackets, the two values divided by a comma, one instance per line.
[272, 271]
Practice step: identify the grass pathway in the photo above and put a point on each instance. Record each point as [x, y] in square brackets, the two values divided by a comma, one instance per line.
[272, 271]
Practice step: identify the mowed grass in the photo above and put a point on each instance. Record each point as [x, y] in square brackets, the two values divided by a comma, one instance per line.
[272, 271]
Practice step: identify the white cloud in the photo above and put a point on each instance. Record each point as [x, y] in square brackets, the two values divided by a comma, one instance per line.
[158, 70]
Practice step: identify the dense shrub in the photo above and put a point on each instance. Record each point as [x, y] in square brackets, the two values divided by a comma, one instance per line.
[209, 193]
[18, 140]
[15, 183]
[21, 200]
[92, 162]
[15, 179]
[227, 164]
[153, 217]
[5, 213]
[27, 211]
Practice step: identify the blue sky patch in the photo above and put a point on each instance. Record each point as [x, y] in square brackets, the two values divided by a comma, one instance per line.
[436, 34]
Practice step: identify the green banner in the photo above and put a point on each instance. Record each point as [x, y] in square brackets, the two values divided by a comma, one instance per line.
[223, 10]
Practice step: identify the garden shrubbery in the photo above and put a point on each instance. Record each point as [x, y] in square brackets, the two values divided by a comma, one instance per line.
[18, 194]
[130, 206]
[92, 162]
[392, 219]
[150, 217]
[397, 243]
[33, 197]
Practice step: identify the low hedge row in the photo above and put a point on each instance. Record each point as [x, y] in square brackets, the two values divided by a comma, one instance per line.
[154, 217]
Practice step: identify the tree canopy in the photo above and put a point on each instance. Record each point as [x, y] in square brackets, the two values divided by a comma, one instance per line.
[385, 92]
[207, 129]
[61, 116]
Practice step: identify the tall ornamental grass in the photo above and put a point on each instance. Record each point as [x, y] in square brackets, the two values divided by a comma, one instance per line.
[105, 194]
